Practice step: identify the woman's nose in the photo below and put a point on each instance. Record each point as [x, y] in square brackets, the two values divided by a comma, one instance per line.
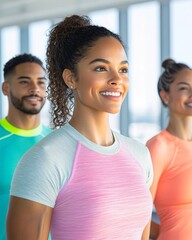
[115, 79]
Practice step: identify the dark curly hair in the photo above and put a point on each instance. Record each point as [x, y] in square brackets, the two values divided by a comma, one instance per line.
[68, 43]
[9, 67]
[172, 68]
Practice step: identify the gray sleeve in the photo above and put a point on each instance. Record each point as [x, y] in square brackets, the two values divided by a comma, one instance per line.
[43, 171]
[142, 155]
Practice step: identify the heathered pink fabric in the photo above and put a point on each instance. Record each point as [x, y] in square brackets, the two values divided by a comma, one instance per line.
[105, 198]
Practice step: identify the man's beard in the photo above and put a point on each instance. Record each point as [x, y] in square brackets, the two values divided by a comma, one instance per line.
[19, 104]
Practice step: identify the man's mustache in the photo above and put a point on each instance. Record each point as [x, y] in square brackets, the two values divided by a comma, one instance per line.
[34, 95]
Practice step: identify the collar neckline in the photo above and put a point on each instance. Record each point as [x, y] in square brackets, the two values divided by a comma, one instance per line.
[18, 131]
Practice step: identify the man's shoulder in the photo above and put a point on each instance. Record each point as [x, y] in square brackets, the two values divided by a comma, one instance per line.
[3, 132]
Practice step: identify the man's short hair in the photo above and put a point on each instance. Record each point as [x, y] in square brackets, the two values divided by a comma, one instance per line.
[18, 59]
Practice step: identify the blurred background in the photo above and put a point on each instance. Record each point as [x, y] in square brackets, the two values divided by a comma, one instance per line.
[151, 31]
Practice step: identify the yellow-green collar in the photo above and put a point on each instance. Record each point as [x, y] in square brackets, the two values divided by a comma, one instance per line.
[21, 132]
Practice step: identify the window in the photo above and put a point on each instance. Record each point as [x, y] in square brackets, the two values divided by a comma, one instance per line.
[181, 35]
[10, 39]
[144, 65]
[38, 36]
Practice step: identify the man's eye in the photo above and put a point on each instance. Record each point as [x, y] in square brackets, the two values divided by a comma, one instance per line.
[23, 82]
[42, 83]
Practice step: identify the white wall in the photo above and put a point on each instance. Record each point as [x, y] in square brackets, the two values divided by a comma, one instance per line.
[24, 11]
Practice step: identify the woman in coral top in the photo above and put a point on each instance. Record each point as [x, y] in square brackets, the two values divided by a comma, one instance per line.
[171, 152]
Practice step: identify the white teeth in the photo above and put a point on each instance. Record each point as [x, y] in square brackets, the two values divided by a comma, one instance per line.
[116, 94]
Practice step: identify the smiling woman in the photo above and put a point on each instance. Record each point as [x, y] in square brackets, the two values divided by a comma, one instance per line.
[101, 83]
[171, 152]
[84, 181]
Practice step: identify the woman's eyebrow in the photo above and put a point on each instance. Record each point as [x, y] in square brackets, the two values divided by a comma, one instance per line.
[99, 60]
[181, 83]
[105, 61]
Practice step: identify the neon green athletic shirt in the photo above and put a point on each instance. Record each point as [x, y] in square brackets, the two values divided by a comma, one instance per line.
[14, 142]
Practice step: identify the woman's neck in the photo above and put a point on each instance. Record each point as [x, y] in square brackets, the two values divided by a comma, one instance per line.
[95, 128]
[181, 128]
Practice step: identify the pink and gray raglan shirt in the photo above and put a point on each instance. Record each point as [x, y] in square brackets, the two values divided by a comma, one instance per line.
[96, 192]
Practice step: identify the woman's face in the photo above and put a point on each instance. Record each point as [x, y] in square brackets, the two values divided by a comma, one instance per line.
[179, 98]
[102, 77]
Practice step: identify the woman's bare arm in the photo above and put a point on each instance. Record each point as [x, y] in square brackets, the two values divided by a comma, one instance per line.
[145, 235]
[154, 230]
[28, 220]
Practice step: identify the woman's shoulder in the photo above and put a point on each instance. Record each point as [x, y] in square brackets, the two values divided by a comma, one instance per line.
[57, 138]
[141, 154]
[162, 140]
[135, 147]
[130, 142]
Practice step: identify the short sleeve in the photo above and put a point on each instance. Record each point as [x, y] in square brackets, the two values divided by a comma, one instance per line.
[45, 169]
[36, 177]
[141, 154]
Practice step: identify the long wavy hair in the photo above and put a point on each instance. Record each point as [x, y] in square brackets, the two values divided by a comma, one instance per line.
[68, 43]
